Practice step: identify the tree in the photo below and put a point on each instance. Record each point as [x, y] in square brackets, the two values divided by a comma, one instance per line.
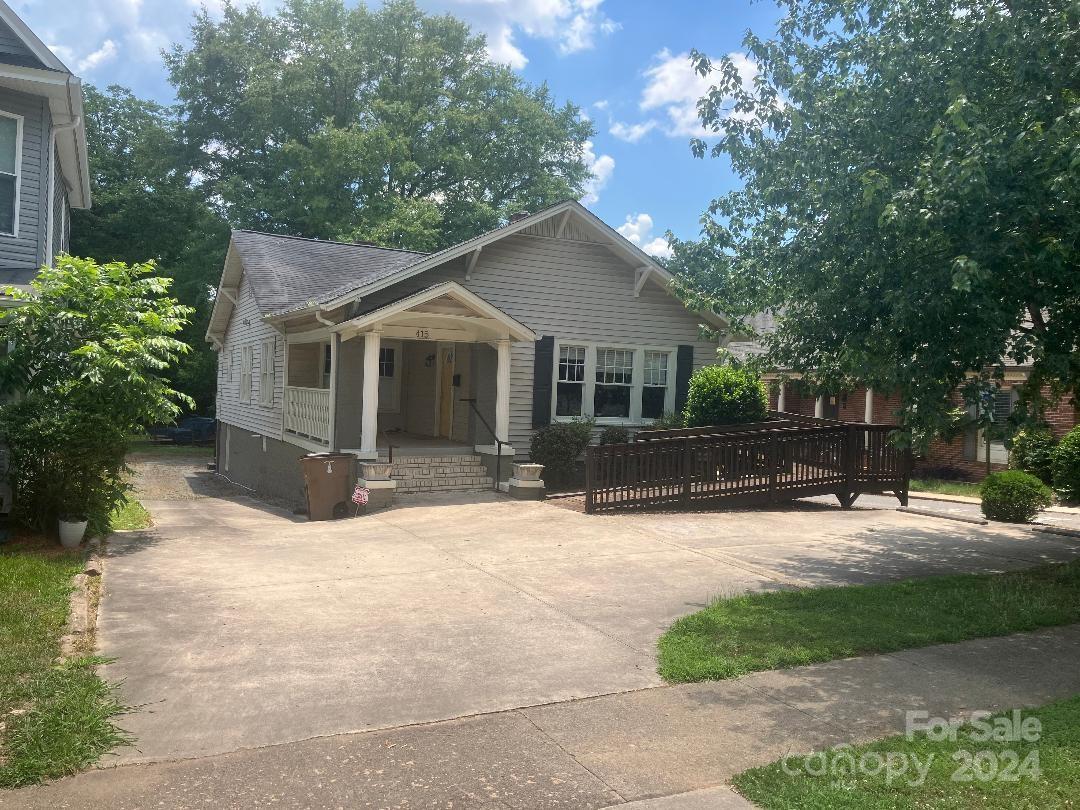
[146, 207]
[384, 125]
[911, 208]
[88, 352]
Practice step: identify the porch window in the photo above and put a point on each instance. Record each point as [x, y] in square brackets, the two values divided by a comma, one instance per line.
[326, 365]
[614, 380]
[245, 373]
[654, 386]
[386, 361]
[10, 154]
[266, 373]
[570, 394]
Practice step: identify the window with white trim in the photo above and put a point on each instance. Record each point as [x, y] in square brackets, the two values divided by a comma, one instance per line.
[230, 363]
[245, 373]
[11, 127]
[327, 366]
[390, 360]
[266, 372]
[613, 384]
[655, 385]
[570, 382]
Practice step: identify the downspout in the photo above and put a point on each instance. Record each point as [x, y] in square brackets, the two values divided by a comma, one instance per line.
[50, 227]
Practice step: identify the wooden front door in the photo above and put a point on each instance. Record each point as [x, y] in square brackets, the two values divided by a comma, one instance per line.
[832, 406]
[446, 392]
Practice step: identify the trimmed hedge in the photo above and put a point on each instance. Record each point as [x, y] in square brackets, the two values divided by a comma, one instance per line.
[613, 434]
[1066, 466]
[558, 447]
[725, 395]
[1032, 450]
[1013, 496]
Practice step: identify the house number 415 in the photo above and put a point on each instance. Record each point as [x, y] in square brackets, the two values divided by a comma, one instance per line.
[422, 334]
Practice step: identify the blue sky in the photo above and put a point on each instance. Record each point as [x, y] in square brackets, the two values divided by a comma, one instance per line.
[623, 61]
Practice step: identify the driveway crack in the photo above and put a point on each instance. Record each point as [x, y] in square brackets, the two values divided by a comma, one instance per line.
[570, 754]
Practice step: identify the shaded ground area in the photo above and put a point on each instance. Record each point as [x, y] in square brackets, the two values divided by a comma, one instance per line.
[603, 751]
[180, 474]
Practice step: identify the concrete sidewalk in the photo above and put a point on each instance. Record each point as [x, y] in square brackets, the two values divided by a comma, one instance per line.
[684, 742]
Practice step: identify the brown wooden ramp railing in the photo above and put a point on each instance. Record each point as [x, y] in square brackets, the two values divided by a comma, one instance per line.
[784, 458]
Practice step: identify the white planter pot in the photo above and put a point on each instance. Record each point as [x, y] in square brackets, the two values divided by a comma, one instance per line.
[528, 472]
[375, 470]
[72, 532]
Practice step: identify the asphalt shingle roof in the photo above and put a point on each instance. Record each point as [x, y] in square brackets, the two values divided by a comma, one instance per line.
[289, 272]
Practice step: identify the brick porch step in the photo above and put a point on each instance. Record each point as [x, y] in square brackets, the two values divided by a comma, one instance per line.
[440, 474]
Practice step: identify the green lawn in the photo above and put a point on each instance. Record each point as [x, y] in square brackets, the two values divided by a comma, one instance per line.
[782, 629]
[945, 487]
[1056, 783]
[132, 515]
[62, 711]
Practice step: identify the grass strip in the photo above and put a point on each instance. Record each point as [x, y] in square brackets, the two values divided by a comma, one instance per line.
[965, 488]
[781, 629]
[964, 773]
[132, 515]
[56, 713]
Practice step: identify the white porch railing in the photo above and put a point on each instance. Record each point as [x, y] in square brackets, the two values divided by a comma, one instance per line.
[307, 412]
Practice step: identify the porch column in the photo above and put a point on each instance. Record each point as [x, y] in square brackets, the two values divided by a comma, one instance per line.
[502, 392]
[331, 429]
[780, 404]
[868, 409]
[819, 406]
[369, 421]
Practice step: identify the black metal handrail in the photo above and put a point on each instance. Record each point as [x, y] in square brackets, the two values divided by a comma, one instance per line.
[498, 442]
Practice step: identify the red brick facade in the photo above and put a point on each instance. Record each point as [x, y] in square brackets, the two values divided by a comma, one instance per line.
[956, 454]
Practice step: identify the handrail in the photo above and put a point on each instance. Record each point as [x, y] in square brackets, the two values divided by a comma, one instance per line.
[498, 442]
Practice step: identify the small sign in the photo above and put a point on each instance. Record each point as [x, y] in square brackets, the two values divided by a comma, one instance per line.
[360, 495]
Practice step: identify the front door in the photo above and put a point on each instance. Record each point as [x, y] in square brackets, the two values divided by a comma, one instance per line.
[446, 392]
[832, 406]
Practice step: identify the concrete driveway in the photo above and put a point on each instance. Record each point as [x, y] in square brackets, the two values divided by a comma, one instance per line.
[235, 625]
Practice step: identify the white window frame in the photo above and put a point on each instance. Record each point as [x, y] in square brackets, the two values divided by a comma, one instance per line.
[669, 373]
[636, 386]
[246, 355]
[230, 362]
[390, 387]
[267, 368]
[18, 172]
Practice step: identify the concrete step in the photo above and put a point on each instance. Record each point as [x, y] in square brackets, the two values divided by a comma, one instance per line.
[445, 483]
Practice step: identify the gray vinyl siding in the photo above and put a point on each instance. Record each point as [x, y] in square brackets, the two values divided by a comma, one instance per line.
[572, 290]
[246, 327]
[12, 49]
[26, 249]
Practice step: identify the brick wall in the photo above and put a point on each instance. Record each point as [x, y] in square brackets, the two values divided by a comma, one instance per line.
[1062, 418]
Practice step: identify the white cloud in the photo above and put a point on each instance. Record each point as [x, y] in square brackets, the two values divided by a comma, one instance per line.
[602, 104]
[632, 133]
[105, 53]
[675, 87]
[602, 168]
[638, 229]
[571, 25]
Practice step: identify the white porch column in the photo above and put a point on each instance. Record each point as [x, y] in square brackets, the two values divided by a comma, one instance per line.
[502, 393]
[780, 404]
[868, 409]
[331, 428]
[369, 421]
[819, 406]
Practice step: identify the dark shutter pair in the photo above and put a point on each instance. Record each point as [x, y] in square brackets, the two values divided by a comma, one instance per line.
[544, 372]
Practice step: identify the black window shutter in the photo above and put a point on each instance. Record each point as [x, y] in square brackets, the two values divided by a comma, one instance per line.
[543, 368]
[684, 367]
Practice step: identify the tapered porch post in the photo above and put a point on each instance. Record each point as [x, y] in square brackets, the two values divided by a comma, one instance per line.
[868, 408]
[781, 405]
[502, 393]
[819, 407]
[369, 422]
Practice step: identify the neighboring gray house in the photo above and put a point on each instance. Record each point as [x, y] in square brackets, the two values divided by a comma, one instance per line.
[331, 346]
[43, 166]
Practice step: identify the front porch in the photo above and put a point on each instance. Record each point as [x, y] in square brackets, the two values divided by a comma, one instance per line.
[427, 375]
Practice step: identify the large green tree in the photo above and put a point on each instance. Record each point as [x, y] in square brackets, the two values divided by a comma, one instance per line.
[145, 207]
[385, 124]
[911, 207]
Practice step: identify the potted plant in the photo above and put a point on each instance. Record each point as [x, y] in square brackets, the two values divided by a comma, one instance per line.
[72, 528]
[72, 513]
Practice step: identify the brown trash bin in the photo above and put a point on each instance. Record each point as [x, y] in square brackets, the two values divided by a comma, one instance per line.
[328, 477]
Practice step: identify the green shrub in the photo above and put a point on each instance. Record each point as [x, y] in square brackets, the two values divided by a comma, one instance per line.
[558, 447]
[1032, 450]
[672, 420]
[1013, 496]
[1066, 466]
[725, 395]
[614, 435]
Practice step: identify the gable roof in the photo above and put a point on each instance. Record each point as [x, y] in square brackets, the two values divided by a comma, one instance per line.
[292, 276]
[37, 71]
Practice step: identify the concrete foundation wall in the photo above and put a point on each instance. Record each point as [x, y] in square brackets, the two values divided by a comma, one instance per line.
[269, 467]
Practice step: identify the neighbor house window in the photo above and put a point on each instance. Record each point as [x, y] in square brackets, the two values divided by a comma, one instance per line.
[614, 381]
[10, 158]
[654, 386]
[245, 373]
[266, 373]
[570, 388]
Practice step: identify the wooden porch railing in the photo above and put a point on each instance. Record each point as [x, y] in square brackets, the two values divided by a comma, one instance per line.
[307, 412]
[739, 465]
